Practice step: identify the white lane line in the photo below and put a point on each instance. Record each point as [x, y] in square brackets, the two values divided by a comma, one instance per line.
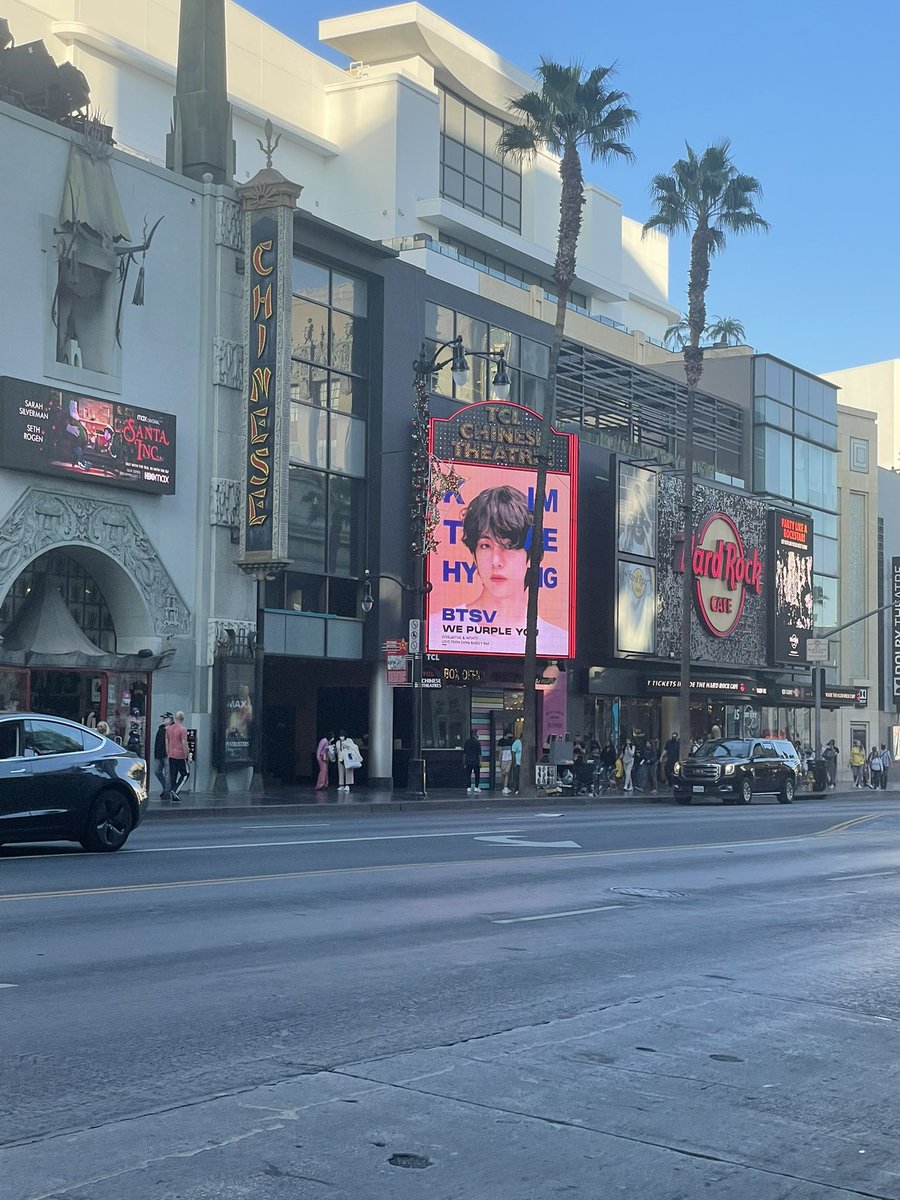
[572, 912]
[292, 825]
[868, 875]
[8, 985]
[378, 837]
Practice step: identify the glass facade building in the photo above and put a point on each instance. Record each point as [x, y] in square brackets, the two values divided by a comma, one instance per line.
[473, 173]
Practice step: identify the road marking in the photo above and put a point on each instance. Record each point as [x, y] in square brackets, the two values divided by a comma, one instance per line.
[375, 837]
[292, 825]
[505, 840]
[849, 824]
[572, 912]
[8, 985]
[868, 875]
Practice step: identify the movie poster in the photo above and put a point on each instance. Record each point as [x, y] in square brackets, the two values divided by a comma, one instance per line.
[478, 600]
[236, 733]
[792, 600]
[636, 511]
[636, 609]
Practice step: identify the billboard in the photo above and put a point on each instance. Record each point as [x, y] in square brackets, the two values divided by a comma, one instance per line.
[478, 599]
[791, 604]
[636, 511]
[52, 432]
[636, 608]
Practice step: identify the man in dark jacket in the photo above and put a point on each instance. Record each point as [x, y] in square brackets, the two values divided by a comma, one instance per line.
[472, 760]
[673, 753]
[160, 755]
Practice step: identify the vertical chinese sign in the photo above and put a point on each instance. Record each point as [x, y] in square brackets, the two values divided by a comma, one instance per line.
[268, 201]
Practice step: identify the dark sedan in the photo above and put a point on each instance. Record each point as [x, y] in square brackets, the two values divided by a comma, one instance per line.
[60, 781]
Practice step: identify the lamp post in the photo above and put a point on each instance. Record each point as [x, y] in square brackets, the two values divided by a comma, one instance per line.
[423, 510]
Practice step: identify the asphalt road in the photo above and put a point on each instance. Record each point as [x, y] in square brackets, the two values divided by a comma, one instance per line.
[652, 1003]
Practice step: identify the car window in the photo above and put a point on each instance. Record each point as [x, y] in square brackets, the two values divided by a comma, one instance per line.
[767, 750]
[732, 748]
[91, 741]
[51, 737]
[9, 739]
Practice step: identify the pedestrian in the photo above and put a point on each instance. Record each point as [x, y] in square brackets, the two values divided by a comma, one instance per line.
[651, 762]
[179, 752]
[349, 760]
[672, 751]
[161, 755]
[830, 755]
[472, 763]
[517, 764]
[505, 758]
[103, 729]
[857, 762]
[628, 764]
[886, 763]
[325, 754]
[875, 768]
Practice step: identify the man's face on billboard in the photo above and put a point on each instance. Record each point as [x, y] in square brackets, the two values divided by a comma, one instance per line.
[502, 569]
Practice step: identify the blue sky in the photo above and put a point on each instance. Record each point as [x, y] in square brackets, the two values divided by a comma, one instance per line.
[809, 93]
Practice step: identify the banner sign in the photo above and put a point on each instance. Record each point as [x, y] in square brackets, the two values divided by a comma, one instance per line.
[791, 598]
[895, 630]
[739, 688]
[52, 432]
[478, 598]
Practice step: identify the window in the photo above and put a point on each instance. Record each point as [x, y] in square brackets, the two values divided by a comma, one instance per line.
[9, 739]
[859, 455]
[50, 737]
[473, 173]
[81, 594]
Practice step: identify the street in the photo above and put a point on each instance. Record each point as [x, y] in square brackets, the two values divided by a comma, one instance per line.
[650, 1002]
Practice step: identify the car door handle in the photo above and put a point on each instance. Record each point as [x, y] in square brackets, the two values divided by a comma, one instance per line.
[18, 771]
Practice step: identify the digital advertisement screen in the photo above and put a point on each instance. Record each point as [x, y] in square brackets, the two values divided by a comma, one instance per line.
[53, 432]
[792, 617]
[636, 511]
[636, 608]
[478, 600]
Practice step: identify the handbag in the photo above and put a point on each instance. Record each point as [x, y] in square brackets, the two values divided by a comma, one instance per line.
[352, 761]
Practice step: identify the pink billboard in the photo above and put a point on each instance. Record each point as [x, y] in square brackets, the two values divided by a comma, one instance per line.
[478, 599]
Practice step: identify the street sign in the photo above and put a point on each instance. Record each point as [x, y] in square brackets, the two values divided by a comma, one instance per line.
[817, 650]
[415, 627]
[399, 673]
[394, 646]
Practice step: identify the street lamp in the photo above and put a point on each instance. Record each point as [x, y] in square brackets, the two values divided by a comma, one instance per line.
[423, 516]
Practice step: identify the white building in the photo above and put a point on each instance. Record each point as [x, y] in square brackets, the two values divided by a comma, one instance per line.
[399, 145]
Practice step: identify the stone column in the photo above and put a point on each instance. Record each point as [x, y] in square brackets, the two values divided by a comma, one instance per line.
[381, 728]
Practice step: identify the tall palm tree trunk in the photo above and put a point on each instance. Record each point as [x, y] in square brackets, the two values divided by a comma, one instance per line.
[571, 202]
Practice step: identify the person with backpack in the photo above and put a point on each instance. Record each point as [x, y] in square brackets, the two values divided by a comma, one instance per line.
[886, 763]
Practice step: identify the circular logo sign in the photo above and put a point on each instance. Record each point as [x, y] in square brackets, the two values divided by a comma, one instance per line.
[722, 573]
[638, 582]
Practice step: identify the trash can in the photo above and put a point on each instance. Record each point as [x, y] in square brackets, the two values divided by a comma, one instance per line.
[819, 774]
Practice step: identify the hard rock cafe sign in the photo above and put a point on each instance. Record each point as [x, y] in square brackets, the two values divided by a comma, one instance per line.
[724, 571]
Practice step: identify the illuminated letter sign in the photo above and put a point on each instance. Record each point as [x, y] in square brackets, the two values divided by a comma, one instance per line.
[895, 639]
[262, 374]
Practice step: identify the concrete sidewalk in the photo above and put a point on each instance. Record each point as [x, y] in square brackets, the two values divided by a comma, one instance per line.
[294, 801]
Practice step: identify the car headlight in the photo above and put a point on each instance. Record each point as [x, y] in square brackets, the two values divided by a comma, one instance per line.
[676, 770]
[729, 769]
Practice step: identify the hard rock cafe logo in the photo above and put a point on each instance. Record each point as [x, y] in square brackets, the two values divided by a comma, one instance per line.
[723, 572]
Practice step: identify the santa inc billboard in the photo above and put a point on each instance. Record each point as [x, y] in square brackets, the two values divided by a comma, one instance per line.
[478, 599]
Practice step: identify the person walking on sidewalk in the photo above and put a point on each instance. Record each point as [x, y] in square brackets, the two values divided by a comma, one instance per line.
[324, 752]
[886, 763]
[517, 764]
[472, 762]
[628, 764]
[830, 755]
[349, 760]
[161, 755]
[857, 762]
[875, 768]
[178, 753]
[505, 756]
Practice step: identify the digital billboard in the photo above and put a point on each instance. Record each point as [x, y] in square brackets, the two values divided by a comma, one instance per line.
[477, 603]
[53, 432]
[791, 606]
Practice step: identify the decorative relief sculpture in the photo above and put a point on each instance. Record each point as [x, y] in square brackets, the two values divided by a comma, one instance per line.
[229, 224]
[228, 363]
[43, 521]
[225, 502]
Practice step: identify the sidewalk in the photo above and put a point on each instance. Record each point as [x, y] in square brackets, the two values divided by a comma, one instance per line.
[295, 801]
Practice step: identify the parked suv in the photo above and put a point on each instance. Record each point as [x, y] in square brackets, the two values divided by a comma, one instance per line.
[737, 769]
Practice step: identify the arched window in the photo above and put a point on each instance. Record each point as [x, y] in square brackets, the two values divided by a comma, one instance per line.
[77, 587]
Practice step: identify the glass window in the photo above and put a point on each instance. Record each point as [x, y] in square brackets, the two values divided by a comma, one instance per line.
[474, 165]
[454, 185]
[310, 280]
[349, 294]
[474, 129]
[302, 593]
[306, 514]
[348, 394]
[492, 132]
[348, 445]
[50, 737]
[439, 322]
[469, 160]
[801, 392]
[348, 343]
[475, 337]
[445, 717]
[532, 392]
[454, 117]
[343, 597]
[473, 195]
[534, 357]
[454, 154]
[309, 435]
[825, 554]
[825, 600]
[10, 739]
[309, 331]
[512, 214]
[493, 204]
[309, 384]
[344, 525]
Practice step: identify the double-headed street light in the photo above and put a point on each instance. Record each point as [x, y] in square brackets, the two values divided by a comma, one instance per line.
[423, 515]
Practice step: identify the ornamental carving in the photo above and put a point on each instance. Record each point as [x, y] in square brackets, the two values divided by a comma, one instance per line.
[228, 363]
[229, 637]
[42, 521]
[225, 502]
[229, 224]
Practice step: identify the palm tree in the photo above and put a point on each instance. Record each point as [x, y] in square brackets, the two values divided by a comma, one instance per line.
[677, 335]
[574, 112]
[707, 198]
[725, 331]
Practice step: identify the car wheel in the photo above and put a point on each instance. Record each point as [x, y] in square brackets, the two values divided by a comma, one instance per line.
[109, 823]
[787, 791]
[746, 791]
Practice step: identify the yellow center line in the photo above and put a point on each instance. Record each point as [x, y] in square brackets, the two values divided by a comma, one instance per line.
[480, 862]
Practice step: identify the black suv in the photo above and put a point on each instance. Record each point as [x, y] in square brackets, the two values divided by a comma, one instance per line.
[737, 769]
